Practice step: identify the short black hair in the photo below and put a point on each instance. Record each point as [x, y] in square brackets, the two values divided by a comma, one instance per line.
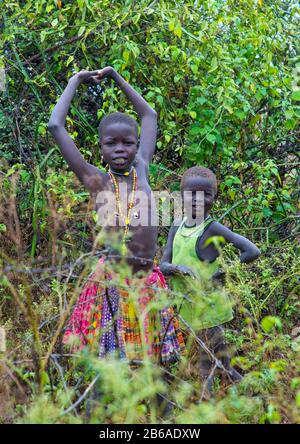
[118, 117]
[202, 172]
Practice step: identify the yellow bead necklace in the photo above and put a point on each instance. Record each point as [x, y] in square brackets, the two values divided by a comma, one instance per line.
[129, 207]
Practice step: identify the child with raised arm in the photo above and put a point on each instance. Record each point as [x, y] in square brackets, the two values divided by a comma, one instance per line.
[104, 313]
[190, 257]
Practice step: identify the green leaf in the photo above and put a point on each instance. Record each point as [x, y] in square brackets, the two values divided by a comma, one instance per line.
[214, 64]
[70, 59]
[126, 55]
[45, 378]
[43, 35]
[81, 30]
[201, 100]
[289, 113]
[178, 30]
[298, 399]
[228, 108]
[270, 322]
[267, 212]
[290, 124]
[194, 69]
[211, 138]
[296, 95]
[195, 130]
[171, 25]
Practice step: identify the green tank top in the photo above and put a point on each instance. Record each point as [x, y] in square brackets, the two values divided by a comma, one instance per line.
[203, 305]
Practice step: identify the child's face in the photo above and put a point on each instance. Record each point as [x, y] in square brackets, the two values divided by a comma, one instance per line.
[198, 203]
[119, 146]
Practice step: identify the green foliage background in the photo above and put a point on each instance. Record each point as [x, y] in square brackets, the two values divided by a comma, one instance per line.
[224, 78]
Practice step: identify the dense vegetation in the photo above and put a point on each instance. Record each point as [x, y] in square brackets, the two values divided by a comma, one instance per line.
[223, 76]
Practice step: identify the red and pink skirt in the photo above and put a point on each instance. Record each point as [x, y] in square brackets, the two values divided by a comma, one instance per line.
[122, 319]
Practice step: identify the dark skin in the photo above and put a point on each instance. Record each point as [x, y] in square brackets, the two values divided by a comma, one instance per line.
[209, 253]
[120, 150]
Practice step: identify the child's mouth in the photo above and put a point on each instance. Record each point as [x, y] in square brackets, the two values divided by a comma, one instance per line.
[120, 160]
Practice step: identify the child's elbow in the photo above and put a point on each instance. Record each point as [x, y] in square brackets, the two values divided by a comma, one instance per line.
[256, 253]
[153, 113]
[166, 268]
[251, 254]
[52, 126]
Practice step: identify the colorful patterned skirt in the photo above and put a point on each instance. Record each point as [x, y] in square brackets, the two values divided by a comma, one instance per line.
[123, 319]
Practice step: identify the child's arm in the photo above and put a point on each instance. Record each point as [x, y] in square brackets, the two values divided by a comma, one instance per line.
[147, 116]
[250, 252]
[167, 268]
[83, 170]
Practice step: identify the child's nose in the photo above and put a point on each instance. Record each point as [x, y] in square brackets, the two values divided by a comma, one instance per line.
[119, 148]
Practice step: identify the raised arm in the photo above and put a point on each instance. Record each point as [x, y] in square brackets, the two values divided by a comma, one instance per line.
[250, 252]
[83, 170]
[147, 115]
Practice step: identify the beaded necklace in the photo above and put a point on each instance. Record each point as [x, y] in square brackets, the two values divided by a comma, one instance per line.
[130, 204]
[121, 174]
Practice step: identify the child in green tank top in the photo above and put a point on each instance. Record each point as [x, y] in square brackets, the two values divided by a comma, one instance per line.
[191, 261]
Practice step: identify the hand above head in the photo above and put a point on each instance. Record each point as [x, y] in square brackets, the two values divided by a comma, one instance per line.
[85, 76]
[102, 73]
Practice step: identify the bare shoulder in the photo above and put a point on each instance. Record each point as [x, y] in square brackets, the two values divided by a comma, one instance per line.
[94, 179]
[217, 229]
[174, 227]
